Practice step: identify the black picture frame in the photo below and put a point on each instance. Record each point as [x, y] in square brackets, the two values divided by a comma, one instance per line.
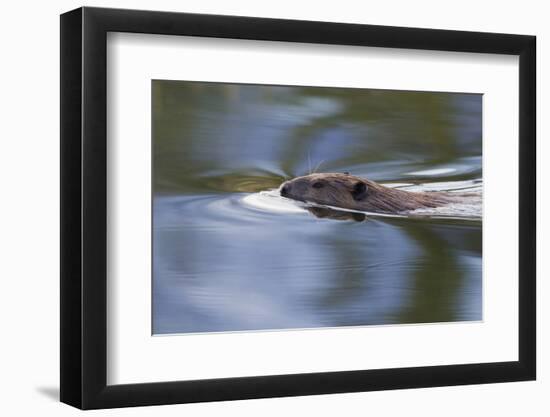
[84, 207]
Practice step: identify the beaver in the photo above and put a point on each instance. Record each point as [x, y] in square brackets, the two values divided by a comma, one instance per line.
[360, 194]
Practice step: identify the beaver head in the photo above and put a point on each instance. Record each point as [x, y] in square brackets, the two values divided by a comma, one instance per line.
[355, 193]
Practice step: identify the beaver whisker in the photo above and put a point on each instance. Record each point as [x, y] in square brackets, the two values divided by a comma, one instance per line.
[318, 166]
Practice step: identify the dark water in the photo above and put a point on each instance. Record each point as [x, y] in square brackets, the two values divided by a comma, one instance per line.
[223, 264]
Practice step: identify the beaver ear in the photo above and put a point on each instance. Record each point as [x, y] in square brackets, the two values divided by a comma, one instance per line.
[359, 191]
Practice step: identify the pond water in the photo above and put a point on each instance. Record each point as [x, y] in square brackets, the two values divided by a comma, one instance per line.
[230, 254]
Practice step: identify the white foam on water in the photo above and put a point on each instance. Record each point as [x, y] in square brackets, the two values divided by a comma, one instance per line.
[431, 172]
[272, 201]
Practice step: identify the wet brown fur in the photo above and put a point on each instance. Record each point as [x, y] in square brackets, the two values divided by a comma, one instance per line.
[355, 193]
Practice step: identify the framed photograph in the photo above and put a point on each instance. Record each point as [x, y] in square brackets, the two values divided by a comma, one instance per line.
[258, 208]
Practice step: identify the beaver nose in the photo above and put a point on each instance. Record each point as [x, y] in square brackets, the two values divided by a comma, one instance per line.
[285, 190]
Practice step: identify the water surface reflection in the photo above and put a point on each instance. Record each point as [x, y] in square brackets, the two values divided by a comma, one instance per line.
[220, 264]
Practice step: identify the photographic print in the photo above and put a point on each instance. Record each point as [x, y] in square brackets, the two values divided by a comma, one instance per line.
[296, 207]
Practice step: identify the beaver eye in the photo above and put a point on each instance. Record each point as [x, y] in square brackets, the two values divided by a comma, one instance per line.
[359, 191]
[317, 184]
